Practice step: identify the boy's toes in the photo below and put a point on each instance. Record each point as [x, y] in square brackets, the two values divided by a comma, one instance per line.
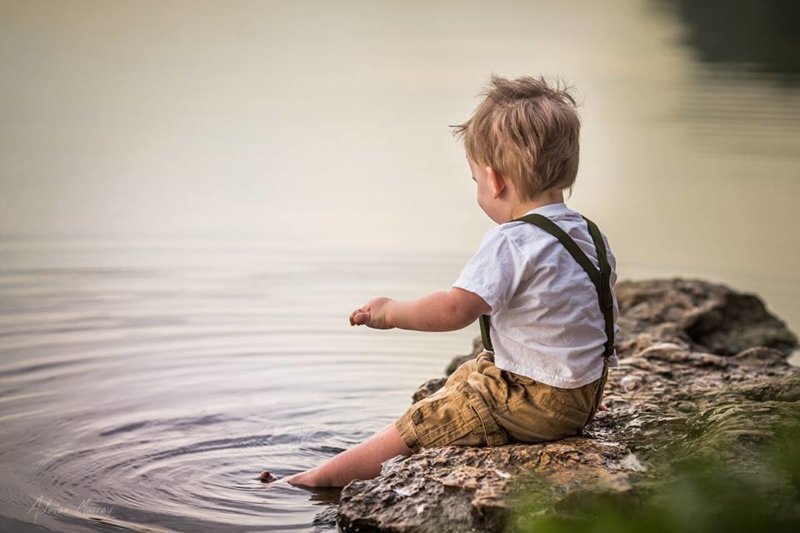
[267, 477]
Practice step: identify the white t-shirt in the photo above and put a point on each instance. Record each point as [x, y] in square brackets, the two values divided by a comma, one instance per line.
[546, 322]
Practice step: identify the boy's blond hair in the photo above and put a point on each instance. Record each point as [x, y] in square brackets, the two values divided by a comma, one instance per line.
[527, 131]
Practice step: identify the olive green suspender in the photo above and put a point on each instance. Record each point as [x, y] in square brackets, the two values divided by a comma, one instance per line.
[600, 278]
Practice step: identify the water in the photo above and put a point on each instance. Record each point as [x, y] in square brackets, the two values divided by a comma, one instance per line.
[156, 397]
[195, 195]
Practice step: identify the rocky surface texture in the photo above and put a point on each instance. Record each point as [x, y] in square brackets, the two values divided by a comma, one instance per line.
[702, 371]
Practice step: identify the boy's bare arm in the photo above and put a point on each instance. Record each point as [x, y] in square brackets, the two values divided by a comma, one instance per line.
[438, 311]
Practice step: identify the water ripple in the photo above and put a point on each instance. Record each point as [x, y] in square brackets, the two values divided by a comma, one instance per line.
[127, 405]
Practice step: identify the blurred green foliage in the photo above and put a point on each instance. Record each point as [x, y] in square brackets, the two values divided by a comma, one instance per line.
[699, 494]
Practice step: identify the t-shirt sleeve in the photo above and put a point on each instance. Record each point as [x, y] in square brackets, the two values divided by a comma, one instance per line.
[494, 272]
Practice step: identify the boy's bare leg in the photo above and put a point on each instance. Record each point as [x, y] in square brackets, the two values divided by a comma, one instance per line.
[362, 461]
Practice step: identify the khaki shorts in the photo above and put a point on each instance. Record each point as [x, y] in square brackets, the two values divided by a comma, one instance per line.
[481, 405]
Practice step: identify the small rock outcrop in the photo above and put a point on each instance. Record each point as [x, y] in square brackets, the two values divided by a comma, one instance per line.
[702, 371]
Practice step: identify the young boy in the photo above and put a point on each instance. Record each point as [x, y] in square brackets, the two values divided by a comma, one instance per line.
[541, 284]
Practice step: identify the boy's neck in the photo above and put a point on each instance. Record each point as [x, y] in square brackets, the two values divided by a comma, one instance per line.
[550, 196]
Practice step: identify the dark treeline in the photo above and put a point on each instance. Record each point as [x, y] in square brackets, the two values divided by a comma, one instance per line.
[758, 35]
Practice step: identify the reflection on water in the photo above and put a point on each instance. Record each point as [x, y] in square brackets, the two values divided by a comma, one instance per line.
[195, 195]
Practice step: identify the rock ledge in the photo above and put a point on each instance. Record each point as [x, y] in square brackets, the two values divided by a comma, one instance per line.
[702, 371]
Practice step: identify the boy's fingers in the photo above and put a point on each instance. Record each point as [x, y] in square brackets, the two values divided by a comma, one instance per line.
[360, 316]
[353, 315]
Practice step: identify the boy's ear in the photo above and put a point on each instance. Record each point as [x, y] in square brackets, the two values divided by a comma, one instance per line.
[496, 182]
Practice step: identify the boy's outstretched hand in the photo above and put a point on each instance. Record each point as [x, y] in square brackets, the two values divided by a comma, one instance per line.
[373, 314]
[438, 311]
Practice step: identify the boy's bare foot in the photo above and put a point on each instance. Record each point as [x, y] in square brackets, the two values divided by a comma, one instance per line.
[295, 479]
[267, 477]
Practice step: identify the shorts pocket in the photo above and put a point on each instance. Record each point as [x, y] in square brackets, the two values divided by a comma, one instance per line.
[455, 416]
[482, 419]
[439, 422]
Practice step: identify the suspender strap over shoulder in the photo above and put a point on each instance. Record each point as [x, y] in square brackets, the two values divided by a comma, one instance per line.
[600, 278]
[604, 289]
[485, 337]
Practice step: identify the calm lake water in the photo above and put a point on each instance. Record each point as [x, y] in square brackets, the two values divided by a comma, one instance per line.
[195, 195]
